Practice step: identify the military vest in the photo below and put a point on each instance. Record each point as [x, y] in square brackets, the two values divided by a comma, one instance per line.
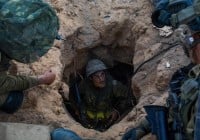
[185, 104]
[98, 102]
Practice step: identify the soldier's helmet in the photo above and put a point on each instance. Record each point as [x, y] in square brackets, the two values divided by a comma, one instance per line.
[93, 66]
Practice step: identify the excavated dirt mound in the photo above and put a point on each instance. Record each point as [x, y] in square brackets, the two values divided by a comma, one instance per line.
[113, 30]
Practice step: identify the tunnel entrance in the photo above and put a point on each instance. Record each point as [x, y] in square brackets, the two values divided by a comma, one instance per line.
[121, 72]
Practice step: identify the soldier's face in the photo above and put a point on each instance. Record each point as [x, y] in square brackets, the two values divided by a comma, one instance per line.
[195, 54]
[99, 79]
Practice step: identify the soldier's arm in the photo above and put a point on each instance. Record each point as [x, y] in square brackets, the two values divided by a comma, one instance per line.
[10, 82]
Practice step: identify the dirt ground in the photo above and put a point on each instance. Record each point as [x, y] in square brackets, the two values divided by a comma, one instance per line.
[112, 30]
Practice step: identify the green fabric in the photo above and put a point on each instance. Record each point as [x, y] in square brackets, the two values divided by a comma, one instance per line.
[188, 107]
[10, 83]
[186, 15]
[27, 29]
[177, 5]
[190, 91]
[113, 96]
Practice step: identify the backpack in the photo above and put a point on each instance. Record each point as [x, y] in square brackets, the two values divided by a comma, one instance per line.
[27, 29]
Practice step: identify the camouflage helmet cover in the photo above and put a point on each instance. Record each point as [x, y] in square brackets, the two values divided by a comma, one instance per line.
[28, 29]
[93, 66]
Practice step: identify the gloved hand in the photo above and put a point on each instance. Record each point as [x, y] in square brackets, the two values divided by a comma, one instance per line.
[161, 18]
[134, 134]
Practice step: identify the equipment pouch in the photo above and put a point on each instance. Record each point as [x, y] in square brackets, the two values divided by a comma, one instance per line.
[175, 6]
[194, 72]
[189, 89]
[183, 17]
[186, 15]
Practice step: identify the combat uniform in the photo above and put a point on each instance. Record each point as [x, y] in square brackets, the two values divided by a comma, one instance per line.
[12, 83]
[98, 103]
[181, 118]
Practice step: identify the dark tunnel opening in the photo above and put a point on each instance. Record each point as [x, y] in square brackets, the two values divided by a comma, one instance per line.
[120, 71]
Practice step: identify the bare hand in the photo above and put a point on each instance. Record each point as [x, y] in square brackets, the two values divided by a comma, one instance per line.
[47, 78]
[114, 116]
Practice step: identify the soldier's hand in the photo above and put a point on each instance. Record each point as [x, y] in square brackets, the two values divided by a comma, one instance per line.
[114, 115]
[47, 78]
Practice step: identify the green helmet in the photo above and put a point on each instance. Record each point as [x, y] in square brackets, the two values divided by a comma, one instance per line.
[27, 29]
[93, 66]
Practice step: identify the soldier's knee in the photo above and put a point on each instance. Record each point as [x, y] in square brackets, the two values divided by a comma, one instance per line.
[64, 134]
[13, 102]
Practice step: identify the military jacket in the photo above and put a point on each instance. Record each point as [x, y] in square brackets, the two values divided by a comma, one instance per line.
[187, 103]
[113, 96]
[12, 82]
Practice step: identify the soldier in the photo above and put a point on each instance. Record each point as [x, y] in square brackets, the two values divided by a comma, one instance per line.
[183, 102]
[103, 99]
[12, 86]
[24, 37]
